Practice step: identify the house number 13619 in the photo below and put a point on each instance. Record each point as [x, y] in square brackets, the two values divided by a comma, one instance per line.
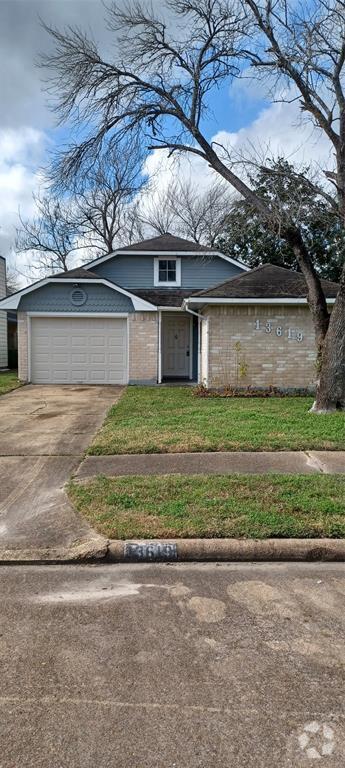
[278, 330]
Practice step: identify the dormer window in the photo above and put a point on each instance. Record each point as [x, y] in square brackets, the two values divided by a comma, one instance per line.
[167, 271]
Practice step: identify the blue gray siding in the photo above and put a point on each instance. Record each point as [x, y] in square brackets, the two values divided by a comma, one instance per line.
[57, 298]
[137, 271]
[128, 271]
[203, 272]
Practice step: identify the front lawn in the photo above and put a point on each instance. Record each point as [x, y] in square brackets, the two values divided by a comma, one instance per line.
[173, 420]
[256, 506]
[8, 381]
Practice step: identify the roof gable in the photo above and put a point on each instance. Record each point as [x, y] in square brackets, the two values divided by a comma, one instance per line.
[162, 245]
[78, 275]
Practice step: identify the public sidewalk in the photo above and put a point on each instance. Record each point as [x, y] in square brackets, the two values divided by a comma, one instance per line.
[255, 462]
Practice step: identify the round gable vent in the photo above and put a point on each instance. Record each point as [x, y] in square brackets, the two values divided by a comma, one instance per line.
[78, 297]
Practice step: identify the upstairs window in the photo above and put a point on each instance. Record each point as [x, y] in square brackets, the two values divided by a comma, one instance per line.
[167, 272]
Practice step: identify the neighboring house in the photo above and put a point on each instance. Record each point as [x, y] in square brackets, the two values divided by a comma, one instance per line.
[3, 316]
[167, 309]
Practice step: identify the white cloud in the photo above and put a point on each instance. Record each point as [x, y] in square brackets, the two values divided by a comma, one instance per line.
[276, 131]
[21, 151]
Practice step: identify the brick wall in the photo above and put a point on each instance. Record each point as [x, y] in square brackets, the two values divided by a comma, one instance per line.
[22, 346]
[3, 317]
[242, 355]
[143, 347]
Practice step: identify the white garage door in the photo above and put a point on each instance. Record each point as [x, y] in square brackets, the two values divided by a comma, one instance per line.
[78, 350]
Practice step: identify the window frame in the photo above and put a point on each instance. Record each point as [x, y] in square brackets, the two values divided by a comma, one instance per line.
[168, 283]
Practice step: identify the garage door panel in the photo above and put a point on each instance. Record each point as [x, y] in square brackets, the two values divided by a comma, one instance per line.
[78, 350]
[78, 341]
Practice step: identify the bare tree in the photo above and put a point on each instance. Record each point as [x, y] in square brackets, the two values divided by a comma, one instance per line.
[188, 212]
[12, 280]
[103, 200]
[134, 228]
[159, 83]
[157, 214]
[88, 221]
[51, 237]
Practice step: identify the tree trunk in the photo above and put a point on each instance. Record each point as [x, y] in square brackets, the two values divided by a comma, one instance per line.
[316, 297]
[330, 394]
[329, 329]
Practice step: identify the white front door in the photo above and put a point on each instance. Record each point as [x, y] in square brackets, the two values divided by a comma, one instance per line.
[176, 348]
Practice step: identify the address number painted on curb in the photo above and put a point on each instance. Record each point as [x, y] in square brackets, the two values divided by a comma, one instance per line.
[154, 550]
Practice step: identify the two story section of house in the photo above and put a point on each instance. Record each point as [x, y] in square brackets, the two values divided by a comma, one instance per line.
[167, 309]
[119, 319]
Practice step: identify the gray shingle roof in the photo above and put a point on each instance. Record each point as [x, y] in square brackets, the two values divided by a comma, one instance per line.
[79, 273]
[161, 297]
[167, 242]
[266, 282]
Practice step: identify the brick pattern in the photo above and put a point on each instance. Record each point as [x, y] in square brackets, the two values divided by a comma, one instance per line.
[3, 317]
[240, 355]
[22, 346]
[143, 347]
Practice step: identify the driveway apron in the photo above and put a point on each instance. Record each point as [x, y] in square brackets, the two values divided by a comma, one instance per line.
[43, 433]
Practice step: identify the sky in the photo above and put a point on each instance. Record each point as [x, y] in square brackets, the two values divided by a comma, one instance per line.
[240, 114]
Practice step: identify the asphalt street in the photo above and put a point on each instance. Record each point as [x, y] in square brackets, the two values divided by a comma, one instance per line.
[172, 666]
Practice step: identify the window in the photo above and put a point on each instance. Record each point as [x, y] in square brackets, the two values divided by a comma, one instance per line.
[167, 271]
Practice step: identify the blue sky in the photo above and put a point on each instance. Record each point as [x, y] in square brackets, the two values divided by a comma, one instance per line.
[238, 114]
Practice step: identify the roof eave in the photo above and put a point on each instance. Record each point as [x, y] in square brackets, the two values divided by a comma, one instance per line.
[202, 300]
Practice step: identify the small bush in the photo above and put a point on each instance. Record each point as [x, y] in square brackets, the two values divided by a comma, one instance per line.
[202, 391]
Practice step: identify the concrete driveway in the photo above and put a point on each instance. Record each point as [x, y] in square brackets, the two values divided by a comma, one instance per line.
[43, 433]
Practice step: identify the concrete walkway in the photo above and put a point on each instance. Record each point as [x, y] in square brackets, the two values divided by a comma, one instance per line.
[43, 433]
[296, 462]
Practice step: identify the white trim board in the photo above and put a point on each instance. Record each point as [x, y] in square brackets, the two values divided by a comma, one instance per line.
[167, 254]
[156, 282]
[112, 315]
[204, 300]
[159, 347]
[140, 305]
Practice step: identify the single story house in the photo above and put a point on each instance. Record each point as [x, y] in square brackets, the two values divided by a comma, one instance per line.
[167, 309]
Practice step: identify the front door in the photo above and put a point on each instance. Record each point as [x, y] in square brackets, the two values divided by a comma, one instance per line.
[176, 346]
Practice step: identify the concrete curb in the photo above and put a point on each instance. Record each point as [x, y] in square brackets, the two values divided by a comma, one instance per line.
[89, 551]
[182, 550]
[228, 550]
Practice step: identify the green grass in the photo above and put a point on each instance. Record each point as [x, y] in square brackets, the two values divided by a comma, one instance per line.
[251, 506]
[8, 381]
[170, 420]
